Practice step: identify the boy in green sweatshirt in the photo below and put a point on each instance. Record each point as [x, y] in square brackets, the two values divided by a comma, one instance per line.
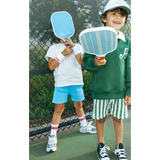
[111, 80]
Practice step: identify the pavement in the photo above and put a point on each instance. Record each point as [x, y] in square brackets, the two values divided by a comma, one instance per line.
[73, 145]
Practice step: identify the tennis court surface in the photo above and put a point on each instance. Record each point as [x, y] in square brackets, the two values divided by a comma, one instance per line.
[73, 145]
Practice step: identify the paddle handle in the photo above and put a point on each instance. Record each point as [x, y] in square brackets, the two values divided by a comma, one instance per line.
[102, 58]
[67, 45]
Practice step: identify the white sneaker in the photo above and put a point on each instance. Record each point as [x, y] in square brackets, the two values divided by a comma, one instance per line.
[52, 143]
[88, 128]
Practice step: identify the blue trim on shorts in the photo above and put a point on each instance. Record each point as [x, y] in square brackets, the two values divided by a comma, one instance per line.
[61, 94]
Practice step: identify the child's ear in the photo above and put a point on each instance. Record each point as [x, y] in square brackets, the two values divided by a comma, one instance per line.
[104, 19]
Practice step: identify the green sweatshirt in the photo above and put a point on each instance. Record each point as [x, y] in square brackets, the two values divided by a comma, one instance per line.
[112, 80]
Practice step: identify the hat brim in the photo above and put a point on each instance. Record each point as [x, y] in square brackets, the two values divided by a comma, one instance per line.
[123, 7]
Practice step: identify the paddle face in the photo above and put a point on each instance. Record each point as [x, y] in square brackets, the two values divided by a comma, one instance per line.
[62, 25]
[98, 41]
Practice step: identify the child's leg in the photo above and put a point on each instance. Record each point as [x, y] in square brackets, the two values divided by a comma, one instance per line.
[85, 126]
[118, 127]
[79, 109]
[100, 126]
[80, 113]
[59, 108]
[77, 97]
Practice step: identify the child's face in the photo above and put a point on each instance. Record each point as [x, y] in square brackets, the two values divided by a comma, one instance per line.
[114, 19]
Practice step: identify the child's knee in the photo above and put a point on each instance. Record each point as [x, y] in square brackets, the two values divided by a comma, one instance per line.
[102, 120]
[116, 119]
[78, 105]
[59, 108]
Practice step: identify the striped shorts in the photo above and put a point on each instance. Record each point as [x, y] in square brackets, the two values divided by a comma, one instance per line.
[104, 107]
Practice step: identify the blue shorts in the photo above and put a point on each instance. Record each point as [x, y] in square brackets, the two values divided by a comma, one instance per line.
[61, 94]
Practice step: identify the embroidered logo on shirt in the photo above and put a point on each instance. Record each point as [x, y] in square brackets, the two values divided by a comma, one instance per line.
[124, 54]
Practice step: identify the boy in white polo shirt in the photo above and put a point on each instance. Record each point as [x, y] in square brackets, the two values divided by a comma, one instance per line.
[65, 58]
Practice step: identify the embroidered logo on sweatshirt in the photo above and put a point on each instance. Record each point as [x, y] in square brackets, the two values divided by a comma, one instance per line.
[124, 54]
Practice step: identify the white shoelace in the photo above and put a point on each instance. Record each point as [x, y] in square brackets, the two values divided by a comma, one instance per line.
[120, 153]
[52, 142]
[89, 126]
[103, 152]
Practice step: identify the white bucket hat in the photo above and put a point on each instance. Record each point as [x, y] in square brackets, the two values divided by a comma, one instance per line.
[117, 4]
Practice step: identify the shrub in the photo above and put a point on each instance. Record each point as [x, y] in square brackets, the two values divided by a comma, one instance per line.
[41, 94]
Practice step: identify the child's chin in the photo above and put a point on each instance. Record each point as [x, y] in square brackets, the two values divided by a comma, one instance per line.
[118, 26]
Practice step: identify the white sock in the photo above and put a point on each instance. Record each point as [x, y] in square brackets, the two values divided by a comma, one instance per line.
[54, 129]
[82, 121]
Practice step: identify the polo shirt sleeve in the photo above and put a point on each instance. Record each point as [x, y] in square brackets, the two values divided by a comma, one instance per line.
[51, 52]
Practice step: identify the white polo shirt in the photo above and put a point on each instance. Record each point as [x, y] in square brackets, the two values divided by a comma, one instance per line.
[69, 71]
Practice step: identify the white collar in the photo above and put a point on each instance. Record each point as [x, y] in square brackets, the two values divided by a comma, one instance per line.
[121, 36]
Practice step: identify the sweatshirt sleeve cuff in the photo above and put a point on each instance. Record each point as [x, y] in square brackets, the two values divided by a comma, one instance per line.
[92, 63]
[128, 92]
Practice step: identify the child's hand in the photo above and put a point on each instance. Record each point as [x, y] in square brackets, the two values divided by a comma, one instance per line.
[69, 42]
[127, 100]
[67, 51]
[99, 62]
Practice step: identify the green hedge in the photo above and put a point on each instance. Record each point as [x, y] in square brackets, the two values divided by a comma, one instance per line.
[41, 94]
